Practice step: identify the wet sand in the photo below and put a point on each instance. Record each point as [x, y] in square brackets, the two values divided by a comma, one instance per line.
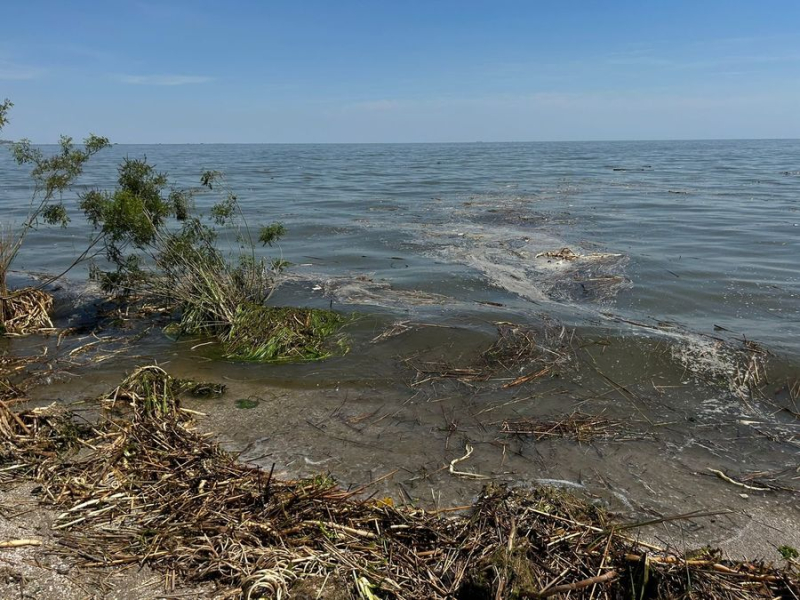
[42, 572]
[350, 434]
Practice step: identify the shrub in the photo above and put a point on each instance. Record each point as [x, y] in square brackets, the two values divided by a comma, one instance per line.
[52, 175]
[162, 248]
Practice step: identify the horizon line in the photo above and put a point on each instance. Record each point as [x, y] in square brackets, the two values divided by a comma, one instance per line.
[571, 141]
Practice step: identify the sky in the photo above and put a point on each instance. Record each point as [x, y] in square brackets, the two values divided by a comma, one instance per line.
[275, 71]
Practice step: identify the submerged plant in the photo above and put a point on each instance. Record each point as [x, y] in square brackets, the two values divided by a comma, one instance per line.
[278, 334]
[150, 391]
[788, 553]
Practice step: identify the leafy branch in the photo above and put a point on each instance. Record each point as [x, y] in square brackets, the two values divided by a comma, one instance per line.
[52, 174]
[162, 248]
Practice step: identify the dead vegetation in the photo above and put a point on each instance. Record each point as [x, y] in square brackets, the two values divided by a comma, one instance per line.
[144, 488]
[520, 354]
[568, 255]
[20, 373]
[577, 426]
[751, 373]
[737, 366]
[594, 276]
[562, 254]
[149, 392]
[27, 311]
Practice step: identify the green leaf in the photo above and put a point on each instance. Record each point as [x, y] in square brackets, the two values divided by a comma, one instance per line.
[269, 234]
[4, 108]
[55, 214]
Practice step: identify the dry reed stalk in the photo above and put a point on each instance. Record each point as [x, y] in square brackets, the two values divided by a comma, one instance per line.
[577, 426]
[523, 353]
[27, 311]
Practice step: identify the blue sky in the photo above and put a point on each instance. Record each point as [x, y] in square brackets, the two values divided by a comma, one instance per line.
[400, 71]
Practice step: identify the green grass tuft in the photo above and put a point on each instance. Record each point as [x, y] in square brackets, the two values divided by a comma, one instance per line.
[788, 553]
[263, 333]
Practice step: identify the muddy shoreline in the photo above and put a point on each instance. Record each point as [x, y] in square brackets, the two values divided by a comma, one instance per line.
[433, 410]
[142, 487]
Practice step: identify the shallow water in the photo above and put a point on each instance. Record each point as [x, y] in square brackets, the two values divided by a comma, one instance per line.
[687, 249]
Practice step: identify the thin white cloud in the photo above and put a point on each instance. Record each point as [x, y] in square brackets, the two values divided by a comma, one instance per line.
[163, 11]
[724, 60]
[164, 79]
[641, 60]
[376, 105]
[10, 71]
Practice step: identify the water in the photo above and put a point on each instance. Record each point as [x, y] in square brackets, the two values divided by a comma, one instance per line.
[687, 250]
[710, 231]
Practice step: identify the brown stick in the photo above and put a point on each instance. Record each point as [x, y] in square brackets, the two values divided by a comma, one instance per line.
[527, 378]
[15, 417]
[710, 564]
[18, 543]
[578, 585]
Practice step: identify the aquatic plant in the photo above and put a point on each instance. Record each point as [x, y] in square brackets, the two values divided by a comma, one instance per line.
[162, 248]
[280, 333]
[150, 391]
[26, 310]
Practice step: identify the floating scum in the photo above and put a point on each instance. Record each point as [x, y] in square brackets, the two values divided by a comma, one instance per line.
[141, 486]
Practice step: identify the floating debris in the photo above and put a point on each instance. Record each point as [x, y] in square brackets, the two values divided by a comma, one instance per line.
[400, 327]
[568, 255]
[521, 354]
[204, 389]
[562, 254]
[738, 368]
[577, 426]
[363, 289]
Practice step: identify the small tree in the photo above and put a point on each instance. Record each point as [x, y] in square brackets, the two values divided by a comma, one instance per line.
[52, 176]
[162, 248]
[158, 243]
[4, 108]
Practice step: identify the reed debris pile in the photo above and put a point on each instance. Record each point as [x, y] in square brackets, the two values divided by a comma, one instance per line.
[520, 354]
[578, 426]
[27, 311]
[147, 489]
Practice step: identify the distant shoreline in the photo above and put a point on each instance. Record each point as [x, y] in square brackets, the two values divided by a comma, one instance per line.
[444, 143]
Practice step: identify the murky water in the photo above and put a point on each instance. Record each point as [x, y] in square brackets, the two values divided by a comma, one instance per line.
[686, 251]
